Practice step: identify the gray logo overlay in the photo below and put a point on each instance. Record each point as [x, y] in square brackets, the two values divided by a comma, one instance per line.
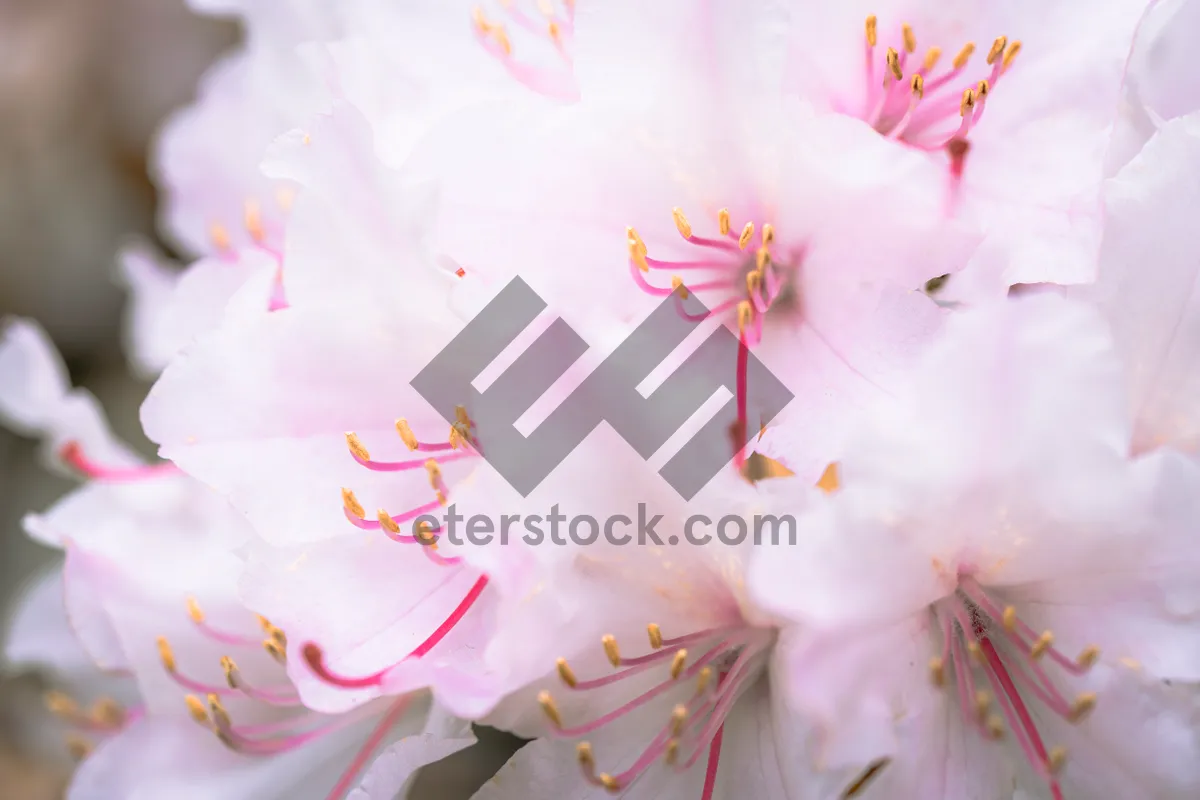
[609, 394]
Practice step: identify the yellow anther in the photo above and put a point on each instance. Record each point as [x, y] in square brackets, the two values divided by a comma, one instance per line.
[231, 671]
[423, 532]
[968, 103]
[678, 717]
[264, 623]
[480, 20]
[252, 217]
[681, 222]
[761, 257]
[78, 747]
[678, 663]
[500, 35]
[587, 760]
[910, 39]
[754, 280]
[723, 222]
[1082, 706]
[745, 313]
[275, 651]
[872, 32]
[193, 609]
[386, 522]
[406, 434]
[703, 679]
[1010, 54]
[196, 708]
[219, 715]
[566, 673]
[995, 726]
[434, 472]
[768, 234]
[1056, 759]
[1010, 618]
[609, 783]
[461, 416]
[918, 86]
[982, 89]
[356, 447]
[932, 55]
[964, 55]
[278, 635]
[830, 479]
[1089, 656]
[937, 671]
[285, 196]
[975, 652]
[352, 505]
[678, 287]
[552, 29]
[997, 49]
[635, 240]
[611, 650]
[637, 256]
[219, 236]
[893, 62]
[550, 709]
[456, 438]
[983, 702]
[655, 633]
[1041, 645]
[166, 654]
[672, 751]
[747, 232]
[107, 712]
[60, 704]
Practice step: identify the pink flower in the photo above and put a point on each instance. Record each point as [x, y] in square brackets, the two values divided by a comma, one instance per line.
[1160, 82]
[996, 595]
[367, 607]
[151, 589]
[1147, 284]
[807, 235]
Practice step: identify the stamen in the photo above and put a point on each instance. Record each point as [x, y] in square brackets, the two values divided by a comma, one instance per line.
[253, 221]
[744, 238]
[703, 681]
[681, 223]
[166, 654]
[932, 55]
[351, 504]
[356, 447]
[72, 454]
[997, 49]
[872, 32]
[829, 481]
[197, 710]
[587, 760]
[406, 434]
[678, 287]
[78, 747]
[655, 633]
[611, 650]
[565, 672]
[723, 223]
[550, 709]
[386, 723]
[964, 55]
[678, 663]
[1009, 55]
[219, 237]
[893, 63]
[910, 39]
[869, 774]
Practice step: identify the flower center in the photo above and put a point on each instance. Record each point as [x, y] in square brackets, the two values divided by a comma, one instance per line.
[924, 106]
[986, 644]
[461, 444]
[740, 283]
[555, 29]
[699, 689]
[285, 724]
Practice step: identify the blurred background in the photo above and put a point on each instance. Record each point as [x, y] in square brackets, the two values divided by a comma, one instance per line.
[84, 85]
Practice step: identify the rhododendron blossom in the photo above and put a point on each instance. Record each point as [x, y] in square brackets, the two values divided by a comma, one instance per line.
[996, 590]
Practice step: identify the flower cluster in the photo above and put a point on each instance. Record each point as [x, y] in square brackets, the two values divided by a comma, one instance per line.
[963, 236]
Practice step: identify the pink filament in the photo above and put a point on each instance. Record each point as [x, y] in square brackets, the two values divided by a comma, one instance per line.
[416, 463]
[370, 746]
[73, 455]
